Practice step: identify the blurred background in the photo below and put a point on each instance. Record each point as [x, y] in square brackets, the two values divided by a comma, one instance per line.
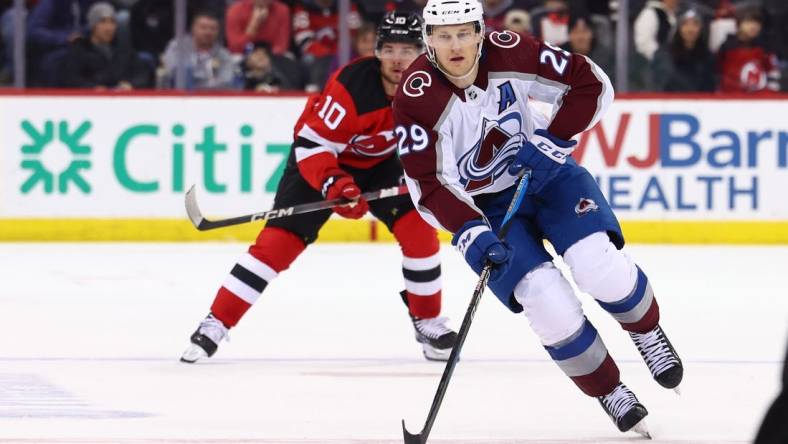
[275, 45]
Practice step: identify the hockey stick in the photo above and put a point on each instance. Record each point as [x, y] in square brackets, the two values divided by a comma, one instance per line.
[421, 437]
[202, 224]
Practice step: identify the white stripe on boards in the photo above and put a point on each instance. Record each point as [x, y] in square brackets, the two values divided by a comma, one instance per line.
[423, 288]
[257, 267]
[423, 263]
[238, 288]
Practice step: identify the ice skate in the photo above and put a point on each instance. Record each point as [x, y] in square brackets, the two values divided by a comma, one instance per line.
[660, 356]
[435, 337]
[205, 340]
[625, 410]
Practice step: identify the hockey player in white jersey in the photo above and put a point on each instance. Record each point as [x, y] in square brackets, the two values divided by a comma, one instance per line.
[466, 131]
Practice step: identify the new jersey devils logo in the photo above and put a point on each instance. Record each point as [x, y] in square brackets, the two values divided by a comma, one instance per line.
[416, 82]
[376, 145]
[491, 155]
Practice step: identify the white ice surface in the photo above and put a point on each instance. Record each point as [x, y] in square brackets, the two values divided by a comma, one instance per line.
[90, 336]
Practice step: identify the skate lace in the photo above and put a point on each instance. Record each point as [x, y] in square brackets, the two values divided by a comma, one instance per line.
[655, 350]
[432, 328]
[214, 329]
[619, 401]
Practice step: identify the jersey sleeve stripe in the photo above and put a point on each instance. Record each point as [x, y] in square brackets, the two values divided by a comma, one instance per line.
[309, 134]
[606, 97]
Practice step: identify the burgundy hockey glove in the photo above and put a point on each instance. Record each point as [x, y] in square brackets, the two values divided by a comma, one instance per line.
[543, 154]
[344, 187]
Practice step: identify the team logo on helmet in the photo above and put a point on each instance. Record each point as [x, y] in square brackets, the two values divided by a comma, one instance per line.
[416, 82]
[505, 39]
[400, 27]
[585, 206]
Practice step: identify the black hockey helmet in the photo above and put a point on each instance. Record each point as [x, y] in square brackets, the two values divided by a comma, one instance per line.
[400, 27]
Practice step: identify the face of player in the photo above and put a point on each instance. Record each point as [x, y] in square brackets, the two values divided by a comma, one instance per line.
[395, 59]
[455, 47]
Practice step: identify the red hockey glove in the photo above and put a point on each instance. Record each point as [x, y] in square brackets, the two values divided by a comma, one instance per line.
[343, 187]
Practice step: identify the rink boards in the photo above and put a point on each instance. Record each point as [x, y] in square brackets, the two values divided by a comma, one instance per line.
[689, 169]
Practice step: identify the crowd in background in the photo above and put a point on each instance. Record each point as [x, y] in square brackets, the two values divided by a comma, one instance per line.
[272, 45]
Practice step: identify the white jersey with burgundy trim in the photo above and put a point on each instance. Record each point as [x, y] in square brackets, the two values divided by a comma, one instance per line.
[455, 144]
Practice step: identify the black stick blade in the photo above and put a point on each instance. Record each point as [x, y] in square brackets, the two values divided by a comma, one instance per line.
[409, 438]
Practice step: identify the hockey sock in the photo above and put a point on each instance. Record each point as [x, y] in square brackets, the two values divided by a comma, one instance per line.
[638, 312]
[273, 252]
[421, 264]
[585, 359]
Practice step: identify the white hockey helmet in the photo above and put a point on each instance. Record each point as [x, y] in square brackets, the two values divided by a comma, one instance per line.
[451, 12]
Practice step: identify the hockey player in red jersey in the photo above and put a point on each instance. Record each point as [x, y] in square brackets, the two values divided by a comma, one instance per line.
[467, 131]
[343, 144]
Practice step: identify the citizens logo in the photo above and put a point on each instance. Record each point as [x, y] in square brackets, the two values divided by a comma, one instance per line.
[55, 173]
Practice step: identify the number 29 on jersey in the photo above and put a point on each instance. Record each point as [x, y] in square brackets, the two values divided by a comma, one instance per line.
[411, 138]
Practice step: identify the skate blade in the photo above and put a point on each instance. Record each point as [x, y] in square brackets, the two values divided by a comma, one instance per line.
[642, 429]
[435, 354]
[193, 354]
[677, 390]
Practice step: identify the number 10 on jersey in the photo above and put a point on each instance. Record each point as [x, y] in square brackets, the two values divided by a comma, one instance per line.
[411, 138]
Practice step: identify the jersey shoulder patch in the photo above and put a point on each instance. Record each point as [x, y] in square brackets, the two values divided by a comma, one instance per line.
[361, 80]
[422, 93]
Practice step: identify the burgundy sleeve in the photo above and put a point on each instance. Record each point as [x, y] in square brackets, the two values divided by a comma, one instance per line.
[438, 196]
[586, 89]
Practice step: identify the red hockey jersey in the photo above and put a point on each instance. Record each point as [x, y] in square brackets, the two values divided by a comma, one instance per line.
[747, 67]
[349, 123]
[315, 30]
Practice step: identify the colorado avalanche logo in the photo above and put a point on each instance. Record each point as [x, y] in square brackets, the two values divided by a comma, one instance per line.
[416, 82]
[492, 153]
[585, 206]
[505, 39]
[376, 145]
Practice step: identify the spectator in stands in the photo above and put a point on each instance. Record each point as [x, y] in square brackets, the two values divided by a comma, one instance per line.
[315, 31]
[363, 45]
[97, 61]
[654, 26]
[209, 64]
[686, 64]
[253, 21]
[583, 41]
[551, 22]
[152, 27]
[52, 26]
[153, 23]
[495, 13]
[743, 62]
[261, 73]
[517, 20]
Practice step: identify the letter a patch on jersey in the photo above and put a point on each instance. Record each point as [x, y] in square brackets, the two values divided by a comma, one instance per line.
[507, 96]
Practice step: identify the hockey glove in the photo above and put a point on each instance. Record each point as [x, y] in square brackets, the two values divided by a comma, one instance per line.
[543, 154]
[478, 244]
[344, 187]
